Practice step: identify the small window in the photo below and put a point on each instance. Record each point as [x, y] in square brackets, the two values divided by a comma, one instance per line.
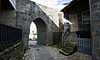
[85, 17]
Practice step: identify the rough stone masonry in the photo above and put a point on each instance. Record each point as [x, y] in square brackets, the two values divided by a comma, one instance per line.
[95, 28]
[25, 12]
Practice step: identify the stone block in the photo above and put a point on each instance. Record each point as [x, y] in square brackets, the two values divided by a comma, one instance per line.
[95, 30]
[96, 53]
[95, 42]
[13, 53]
[95, 23]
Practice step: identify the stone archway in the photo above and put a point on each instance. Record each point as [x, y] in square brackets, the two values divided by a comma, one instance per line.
[41, 31]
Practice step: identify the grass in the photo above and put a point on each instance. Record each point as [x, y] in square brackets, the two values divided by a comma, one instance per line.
[25, 51]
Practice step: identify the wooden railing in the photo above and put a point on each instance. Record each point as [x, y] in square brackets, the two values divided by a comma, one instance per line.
[84, 42]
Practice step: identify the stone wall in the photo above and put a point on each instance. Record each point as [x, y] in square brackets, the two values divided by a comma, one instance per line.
[53, 15]
[74, 20]
[72, 37]
[95, 27]
[45, 13]
[61, 22]
[25, 13]
[23, 19]
[53, 21]
[13, 53]
[8, 18]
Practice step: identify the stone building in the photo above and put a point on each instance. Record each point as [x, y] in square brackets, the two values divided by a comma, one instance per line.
[11, 45]
[95, 27]
[23, 12]
[20, 13]
[84, 16]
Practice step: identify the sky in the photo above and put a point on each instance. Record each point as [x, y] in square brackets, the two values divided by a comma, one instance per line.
[52, 3]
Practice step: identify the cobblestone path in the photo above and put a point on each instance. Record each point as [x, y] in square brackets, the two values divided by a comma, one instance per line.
[39, 52]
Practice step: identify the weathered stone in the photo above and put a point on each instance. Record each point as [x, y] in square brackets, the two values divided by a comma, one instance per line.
[95, 42]
[13, 53]
[95, 25]
[7, 17]
[26, 12]
[74, 20]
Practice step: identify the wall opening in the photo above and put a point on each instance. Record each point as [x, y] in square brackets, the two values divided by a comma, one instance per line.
[33, 33]
[41, 31]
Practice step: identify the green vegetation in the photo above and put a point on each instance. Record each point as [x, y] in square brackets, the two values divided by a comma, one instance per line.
[25, 51]
[22, 43]
[68, 48]
[15, 53]
[2, 56]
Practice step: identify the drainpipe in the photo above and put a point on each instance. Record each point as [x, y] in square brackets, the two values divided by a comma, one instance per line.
[90, 6]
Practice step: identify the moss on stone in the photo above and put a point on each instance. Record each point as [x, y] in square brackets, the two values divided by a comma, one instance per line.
[14, 52]
[69, 48]
[2, 56]
[25, 51]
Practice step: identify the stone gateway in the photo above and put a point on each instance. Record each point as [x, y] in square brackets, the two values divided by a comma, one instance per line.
[20, 14]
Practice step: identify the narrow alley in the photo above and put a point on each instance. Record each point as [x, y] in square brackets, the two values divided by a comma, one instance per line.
[49, 29]
[39, 52]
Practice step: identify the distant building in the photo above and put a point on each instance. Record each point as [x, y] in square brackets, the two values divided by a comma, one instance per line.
[30, 36]
[33, 35]
[79, 15]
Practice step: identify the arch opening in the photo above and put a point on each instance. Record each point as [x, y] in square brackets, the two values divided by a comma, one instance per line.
[41, 29]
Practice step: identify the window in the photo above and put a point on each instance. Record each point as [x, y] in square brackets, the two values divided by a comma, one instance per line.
[85, 17]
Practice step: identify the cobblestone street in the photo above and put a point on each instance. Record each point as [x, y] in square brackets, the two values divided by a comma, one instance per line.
[38, 52]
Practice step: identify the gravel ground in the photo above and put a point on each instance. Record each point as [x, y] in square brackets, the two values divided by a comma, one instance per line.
[39, 52]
